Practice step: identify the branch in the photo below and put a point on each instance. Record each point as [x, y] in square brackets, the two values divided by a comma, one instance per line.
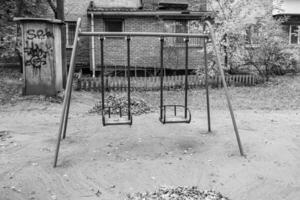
[52, 5]
[222, 9]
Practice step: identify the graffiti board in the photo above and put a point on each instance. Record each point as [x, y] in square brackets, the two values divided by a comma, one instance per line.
[41, 57]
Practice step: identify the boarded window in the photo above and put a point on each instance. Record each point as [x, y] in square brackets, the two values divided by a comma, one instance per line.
[115, 25]
[71, 28]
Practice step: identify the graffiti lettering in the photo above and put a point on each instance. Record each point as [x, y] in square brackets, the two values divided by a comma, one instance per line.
[36, 57]
[39, 34]
[38, 46]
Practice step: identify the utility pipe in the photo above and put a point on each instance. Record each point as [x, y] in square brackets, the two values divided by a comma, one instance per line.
[93, 45]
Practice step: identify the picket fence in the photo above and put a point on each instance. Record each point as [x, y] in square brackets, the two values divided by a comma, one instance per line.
[153, 83]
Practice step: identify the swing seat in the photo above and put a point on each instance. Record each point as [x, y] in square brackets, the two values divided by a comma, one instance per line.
[113, 120]
[175, 119]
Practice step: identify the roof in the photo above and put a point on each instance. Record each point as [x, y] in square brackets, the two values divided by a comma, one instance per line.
[162, 14]
[78, 8]
[287, 14]
[112, 9]
[174, 1]
[48, 20]
[127, 8]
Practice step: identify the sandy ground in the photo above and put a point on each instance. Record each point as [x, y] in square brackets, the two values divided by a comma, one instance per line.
[97, 162]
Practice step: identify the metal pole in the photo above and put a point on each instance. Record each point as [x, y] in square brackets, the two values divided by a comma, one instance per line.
[161, 76]
[68, 93]
[66, 116]
[225, 87]
[186, 76]
[102, 73]
[93, 46]
[206, 86]
[128, 75]
[143, 34]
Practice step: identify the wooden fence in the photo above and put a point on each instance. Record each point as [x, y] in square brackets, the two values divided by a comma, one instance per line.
[153, 83]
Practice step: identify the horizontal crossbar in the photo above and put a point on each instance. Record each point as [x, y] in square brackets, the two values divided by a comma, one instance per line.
[143, 34]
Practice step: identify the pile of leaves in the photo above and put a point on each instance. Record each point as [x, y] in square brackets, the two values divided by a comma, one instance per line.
[115, 102]
[179, 193]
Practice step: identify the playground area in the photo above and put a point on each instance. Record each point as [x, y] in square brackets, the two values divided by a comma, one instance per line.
[99, 162]
[198, 148]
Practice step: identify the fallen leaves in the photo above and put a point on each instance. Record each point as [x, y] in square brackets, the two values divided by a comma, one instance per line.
[179, 193]
[117, 102]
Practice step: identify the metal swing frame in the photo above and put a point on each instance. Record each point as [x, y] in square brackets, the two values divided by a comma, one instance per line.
[205, 37]
[107, 121]
[163, 108]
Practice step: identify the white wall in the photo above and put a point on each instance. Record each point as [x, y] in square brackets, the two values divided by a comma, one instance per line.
[287, 6]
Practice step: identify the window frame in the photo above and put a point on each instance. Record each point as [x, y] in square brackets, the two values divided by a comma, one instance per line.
[185, 24]
[290, 34]
[194, 42]
[68, 45]
[105, 21]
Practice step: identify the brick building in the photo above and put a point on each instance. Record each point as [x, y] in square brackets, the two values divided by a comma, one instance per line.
[136, 16]
[291, 10]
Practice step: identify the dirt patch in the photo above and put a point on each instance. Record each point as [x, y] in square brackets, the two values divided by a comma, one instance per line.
[107, 163]
[4, 135]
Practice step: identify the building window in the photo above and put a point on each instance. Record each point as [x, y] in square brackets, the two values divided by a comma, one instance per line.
[181, 27]
[294, 34]
[114, 25]
[71, 28]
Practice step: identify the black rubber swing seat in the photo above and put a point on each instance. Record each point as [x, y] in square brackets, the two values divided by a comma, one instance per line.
[111, 120]
[175, 118]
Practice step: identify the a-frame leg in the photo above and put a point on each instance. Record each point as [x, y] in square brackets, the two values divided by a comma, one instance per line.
[225, 86]
[206, 86]
[67, 99]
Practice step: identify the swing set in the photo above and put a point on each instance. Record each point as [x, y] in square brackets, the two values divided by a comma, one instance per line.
[164, 118]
